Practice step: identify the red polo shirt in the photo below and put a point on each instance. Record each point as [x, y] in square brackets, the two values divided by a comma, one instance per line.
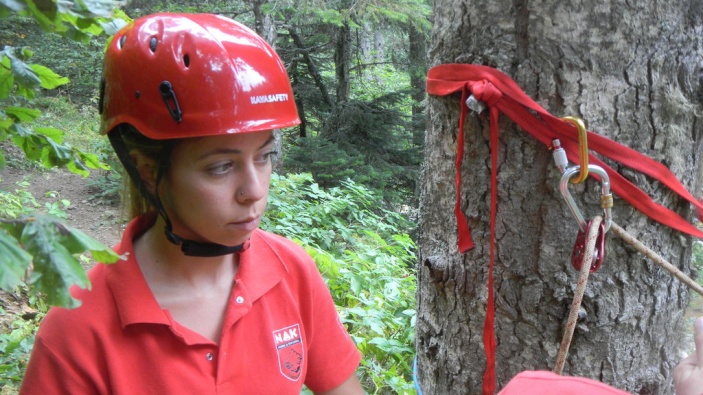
[281, 330]
[548, 383]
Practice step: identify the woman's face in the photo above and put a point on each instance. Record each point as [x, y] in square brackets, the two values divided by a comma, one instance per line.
[217, 187]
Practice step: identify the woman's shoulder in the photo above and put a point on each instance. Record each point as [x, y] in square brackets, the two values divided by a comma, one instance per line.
[263, 239]
[292, 256]
[61, 324]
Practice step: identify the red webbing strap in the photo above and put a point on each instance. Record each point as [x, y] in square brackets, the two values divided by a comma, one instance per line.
[502, 94]
[489, 337]
[506, 95]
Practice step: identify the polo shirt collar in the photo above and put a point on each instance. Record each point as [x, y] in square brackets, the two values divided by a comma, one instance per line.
[260, 268]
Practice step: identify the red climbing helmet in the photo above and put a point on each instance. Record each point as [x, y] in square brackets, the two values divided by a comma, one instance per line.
[189, 75]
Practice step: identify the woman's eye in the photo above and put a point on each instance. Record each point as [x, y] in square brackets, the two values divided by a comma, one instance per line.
[219, 169]
[267, 157]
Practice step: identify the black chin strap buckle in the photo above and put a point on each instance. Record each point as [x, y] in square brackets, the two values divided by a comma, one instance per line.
[200, 249]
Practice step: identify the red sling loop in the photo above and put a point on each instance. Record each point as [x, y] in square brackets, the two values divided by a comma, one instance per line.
[501, 94]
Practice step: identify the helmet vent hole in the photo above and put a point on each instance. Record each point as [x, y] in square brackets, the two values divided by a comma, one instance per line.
[186, 60]
[121, 42]
[152, 44]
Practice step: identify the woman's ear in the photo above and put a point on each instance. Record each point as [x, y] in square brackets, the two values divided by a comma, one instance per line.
[146, 167]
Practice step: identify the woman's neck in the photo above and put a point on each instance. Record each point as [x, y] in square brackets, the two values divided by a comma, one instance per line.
[163, 262]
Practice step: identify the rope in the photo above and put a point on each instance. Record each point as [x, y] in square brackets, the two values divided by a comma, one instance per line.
[415, 379]
[578, 294]
[656, 258]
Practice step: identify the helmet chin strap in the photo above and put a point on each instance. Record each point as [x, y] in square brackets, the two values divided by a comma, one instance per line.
[200, 249]
[188, 247]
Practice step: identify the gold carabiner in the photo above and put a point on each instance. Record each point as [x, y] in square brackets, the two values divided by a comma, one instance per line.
[583, 148]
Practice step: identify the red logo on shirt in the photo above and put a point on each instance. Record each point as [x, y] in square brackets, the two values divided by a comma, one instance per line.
[289, 346]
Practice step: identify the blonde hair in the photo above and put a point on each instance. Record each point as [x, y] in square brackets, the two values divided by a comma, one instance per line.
[135, 201]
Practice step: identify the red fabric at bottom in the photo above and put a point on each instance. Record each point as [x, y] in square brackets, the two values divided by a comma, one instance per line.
[548, 383]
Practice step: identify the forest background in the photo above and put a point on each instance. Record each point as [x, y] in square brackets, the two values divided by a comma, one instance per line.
[346, 187]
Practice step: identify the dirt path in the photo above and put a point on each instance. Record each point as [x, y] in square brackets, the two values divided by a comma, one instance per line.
[97, 219]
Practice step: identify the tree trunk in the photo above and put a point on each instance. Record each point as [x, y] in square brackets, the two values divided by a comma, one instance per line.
[631, 70]
[264, 24]
[342, 61]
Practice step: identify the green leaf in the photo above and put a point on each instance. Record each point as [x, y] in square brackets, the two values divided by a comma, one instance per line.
[49, 79]
[53, 246]
[5, 124]
[78, 242]
[44, 12]
[93, 162]
[22, 114]
[52, 133]
[56, 154]
[14, 261]
[7, 81]
[22, 72]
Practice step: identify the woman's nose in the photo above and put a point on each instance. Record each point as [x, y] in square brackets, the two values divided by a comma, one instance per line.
[253, 185]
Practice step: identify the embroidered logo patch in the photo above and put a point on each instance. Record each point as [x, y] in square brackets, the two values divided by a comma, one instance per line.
[289, 346]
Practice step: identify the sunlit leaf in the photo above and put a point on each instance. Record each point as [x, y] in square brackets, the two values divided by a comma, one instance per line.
[7, 81]
[77, 167]
[52, 133]
[48, 79]
[22, 114]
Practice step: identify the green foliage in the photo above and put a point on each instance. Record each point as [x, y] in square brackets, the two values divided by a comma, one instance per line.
[367, 260]
[51, 248]
[333, 142]
[35, 249]
[109, 185]
[21, 202]
[369, 142]
[42, 144]
[15, 348]
[77, 20]
[106, 188]
[58, 207]
[79, 62]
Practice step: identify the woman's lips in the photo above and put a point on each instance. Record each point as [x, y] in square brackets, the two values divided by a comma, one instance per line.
[248, 224]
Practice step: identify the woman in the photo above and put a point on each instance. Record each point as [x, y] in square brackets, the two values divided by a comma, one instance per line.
[204, 302]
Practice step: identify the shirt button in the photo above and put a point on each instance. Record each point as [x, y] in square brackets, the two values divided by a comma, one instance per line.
[240, 299]
[209, 356]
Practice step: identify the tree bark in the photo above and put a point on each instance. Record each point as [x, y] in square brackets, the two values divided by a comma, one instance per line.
[342, 61]
[632, 71]
[264, 24]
